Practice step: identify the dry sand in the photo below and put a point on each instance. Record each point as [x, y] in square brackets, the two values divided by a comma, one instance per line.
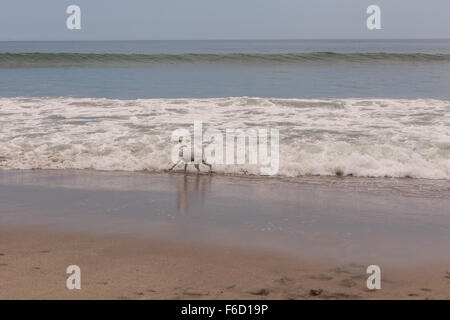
[33, 266]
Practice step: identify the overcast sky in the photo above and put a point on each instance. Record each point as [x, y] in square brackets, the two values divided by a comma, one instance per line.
[226, 19]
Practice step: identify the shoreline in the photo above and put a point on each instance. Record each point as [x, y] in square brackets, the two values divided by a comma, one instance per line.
[308, 180]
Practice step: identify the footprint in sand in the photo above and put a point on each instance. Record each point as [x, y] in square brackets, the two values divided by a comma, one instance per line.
[341, 295]
[322, 276]
[1, 254]
[189, 292]
[295, 295]
[284, 280]
[348, 283]
[261, 292]
[315, 292]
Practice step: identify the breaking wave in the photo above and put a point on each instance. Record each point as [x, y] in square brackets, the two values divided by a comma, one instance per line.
[36, 60]
[359, 137]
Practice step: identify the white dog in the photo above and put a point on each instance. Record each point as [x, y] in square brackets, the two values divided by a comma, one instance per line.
[188, 158]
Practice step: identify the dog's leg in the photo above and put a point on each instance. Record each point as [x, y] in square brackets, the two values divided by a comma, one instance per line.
[171, 168]
[207, 164]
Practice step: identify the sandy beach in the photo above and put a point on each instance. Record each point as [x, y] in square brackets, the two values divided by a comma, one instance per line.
[33, 267]
[146, 236]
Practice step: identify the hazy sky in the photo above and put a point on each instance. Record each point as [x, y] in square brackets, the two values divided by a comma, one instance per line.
[226, 19]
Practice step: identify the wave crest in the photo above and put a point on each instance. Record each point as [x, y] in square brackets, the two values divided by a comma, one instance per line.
[35, 60]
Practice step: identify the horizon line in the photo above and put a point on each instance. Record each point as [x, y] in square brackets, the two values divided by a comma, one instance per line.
[247, 39]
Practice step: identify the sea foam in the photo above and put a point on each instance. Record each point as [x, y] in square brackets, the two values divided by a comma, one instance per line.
[359, 137]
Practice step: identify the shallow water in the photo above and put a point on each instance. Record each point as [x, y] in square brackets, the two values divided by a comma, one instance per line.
[375, 221]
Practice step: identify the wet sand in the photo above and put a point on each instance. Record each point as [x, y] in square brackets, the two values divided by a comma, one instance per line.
[147, 236]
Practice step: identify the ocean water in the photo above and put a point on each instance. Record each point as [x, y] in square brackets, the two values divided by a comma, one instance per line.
[211, 69]
[361, 108]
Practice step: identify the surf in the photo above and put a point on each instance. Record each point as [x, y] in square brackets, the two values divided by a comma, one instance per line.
[324, 137]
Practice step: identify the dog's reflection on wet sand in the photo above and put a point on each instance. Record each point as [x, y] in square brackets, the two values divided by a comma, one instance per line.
[191, 189]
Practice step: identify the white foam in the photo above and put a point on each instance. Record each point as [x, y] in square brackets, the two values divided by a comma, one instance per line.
[360, 137]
